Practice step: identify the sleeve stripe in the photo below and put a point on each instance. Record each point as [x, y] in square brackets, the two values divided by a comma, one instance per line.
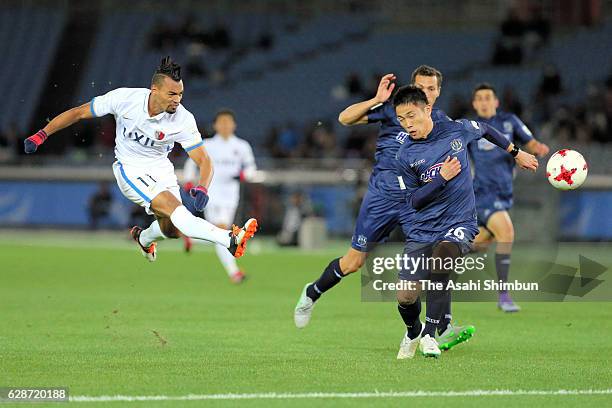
[188, 149]
[91, 108]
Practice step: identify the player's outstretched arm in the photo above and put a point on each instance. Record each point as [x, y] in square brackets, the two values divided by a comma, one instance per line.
[523, 159]
[204, 163]
[536, 148]
[61, 121]
[357, 113]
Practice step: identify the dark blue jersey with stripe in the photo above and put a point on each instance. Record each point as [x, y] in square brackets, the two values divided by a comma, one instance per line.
[390, 137]
[493, 168]
[419, 162]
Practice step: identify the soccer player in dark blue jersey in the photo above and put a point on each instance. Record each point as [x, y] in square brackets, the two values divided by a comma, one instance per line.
[493, 181]
[380, 209]
[439, 218]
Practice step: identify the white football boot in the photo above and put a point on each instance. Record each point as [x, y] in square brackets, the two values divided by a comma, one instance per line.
[429, 346]
[408, 346]
[303, 309]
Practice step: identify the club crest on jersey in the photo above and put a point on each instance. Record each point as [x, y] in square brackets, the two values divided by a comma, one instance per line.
[456, 145]
[431, 172]
[401, 137]
[362, 240]
[508, 127]
[159, 135]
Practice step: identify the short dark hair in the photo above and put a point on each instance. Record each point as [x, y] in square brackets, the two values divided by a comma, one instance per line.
[426, 70]
[224, 112]
[409, 94]
[167, 68]
[484, 86]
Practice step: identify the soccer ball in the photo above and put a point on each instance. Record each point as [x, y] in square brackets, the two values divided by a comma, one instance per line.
[566, 169]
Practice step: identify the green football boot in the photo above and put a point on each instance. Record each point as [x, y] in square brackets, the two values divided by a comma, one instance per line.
[454, 335]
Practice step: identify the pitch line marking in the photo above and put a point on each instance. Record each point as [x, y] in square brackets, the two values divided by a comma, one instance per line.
[309, 395]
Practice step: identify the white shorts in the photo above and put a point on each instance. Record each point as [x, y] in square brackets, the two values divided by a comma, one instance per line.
[141, 185]
[220, 214]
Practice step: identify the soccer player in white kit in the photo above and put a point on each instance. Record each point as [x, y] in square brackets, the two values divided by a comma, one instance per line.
[233, 161]
[149, 122]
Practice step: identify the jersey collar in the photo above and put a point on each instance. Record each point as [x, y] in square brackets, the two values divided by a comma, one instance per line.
[145, 107]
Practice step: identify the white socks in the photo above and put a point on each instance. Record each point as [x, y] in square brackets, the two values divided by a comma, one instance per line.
[227, 259]
[195, 227]
[151, 234]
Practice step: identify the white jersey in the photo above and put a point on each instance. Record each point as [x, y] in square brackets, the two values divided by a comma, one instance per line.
[142, 140]
[230, 158]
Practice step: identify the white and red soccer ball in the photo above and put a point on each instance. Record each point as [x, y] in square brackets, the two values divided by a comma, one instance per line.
[566, 169]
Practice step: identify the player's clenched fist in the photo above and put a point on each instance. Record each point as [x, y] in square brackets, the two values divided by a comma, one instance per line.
[526, 161]
[450, 168]
[385, 88]
[200, 195]
[32, 142]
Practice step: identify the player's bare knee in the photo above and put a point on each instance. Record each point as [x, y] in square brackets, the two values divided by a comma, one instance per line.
[407, 297]
[164, 204]
[505, 236]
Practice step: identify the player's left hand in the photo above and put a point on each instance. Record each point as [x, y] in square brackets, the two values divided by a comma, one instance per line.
[200, 194]
[526, 161]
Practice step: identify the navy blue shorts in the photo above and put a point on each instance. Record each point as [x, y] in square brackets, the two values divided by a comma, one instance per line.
[419, 253]
[378, 216]
[488, 204]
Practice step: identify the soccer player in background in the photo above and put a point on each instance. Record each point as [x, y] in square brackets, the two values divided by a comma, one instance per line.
[439, 220]
[234, 162]
[493, 173]
[148, 123]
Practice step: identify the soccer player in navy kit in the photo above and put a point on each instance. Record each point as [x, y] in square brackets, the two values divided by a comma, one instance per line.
[439, 218]
[493, 181]
[380, 212]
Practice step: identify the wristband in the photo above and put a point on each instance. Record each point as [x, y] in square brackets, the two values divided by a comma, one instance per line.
[515, 151]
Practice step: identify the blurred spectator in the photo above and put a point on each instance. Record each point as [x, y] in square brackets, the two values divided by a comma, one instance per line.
[513, 26]
[319, 143]
[163, 36]
[354, 85]
[372, 85]
[9, 143]
[585, 122]
[550, 84]
[537, 31]
[508, 48]
[297, 209]
[361, 143]
[608, 99]
[99, 205]
[510, 102]
[459, 107]
[195, 65]
[192, 31]
[219, 37]
[507, 52]
[283, 143]
[265, 41]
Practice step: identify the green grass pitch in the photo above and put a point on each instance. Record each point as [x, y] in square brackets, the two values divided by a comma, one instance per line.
[90, 313]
